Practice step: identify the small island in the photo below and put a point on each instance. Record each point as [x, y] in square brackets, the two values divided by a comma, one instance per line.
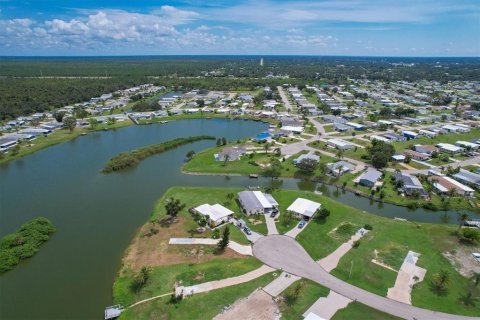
[131, 159]
[24, 242]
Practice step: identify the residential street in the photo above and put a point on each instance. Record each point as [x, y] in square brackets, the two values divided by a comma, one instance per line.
[283, 252]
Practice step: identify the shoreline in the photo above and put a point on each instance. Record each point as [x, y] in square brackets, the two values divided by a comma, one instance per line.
[349, 189]
[25, 151]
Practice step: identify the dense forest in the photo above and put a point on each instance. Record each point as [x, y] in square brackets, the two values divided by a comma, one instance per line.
[36, 84]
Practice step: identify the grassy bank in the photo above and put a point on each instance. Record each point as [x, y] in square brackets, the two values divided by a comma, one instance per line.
[204, 162]
[57, 137]
[24, 242]
[189, 116]
[131, 159]
[391, 195]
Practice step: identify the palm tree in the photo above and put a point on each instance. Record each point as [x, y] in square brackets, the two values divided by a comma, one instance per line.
[266, 147]
[462, 217]
[173, 207]
[340, 170]
[441, 279]
[226, 157]
[339, 154]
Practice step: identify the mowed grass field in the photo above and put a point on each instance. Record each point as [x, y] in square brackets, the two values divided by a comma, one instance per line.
[391, 239]
[204, 162]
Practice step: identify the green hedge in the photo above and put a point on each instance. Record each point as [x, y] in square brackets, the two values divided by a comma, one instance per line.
[131, 159]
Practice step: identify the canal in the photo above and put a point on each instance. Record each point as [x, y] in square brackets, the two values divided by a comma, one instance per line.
[97, 215]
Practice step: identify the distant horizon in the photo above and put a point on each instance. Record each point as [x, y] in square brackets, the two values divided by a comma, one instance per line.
[237, 55]
[393, 28]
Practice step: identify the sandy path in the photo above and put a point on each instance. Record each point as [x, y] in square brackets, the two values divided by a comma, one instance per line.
[217, 284]
[258, 306]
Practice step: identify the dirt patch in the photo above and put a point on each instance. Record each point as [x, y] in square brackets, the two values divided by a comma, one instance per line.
[258, 306]
[153, 250]
[255, 222]
[463, 261]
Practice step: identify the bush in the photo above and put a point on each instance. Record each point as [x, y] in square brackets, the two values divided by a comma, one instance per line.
[216, 234]
[356, 244]
[429, 206]
[367, 227]
[131, 159]
[24, 243]
[412, 205]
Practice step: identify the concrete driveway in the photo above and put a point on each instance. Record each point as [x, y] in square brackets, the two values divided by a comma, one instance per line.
[283, 252]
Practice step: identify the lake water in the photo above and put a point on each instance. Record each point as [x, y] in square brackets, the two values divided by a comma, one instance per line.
[97, 215]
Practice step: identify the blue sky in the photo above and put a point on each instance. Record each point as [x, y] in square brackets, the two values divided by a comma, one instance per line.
[347, 27]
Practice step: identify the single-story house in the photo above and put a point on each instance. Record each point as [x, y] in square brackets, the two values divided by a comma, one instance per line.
[216, 214]
[409, 134]
[7, 143]
[411, 184]
[444, 184]
[467, 177]
[253, 202]
[233, 153]
[417, 155]
[398, 157]
[394, 136]
[450, 148]
[303, 208]
[340, 144]
[467, 145]
[339, 168]
[379, 138]
[342, 127]
[309, 156]
[263, 137]
[356, 126]
[425, 148]
[369, 177]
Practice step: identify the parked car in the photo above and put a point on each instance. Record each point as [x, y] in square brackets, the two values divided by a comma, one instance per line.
[301, 224]
[273, 214]
[247, 230]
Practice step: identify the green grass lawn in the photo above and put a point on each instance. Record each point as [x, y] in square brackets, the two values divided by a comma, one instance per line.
[199, 306]
[292, 309]
[428, 240]
[392, 239]
[329, 128]
[356, 310]
[204, 162]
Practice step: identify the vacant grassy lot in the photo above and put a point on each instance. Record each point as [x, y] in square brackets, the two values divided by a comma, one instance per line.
[428, 240]
[356, 310]
[204, 162]
[200, 306]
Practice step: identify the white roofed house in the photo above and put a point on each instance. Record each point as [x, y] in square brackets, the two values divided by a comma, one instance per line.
[467, 145]
[444, 184]
[216, 214]
[339, 168]
[340, 144]
[253, 202]
[303, 208]
[450, 148]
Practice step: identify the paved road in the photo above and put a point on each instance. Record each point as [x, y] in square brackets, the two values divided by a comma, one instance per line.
[282, 252]
[284, 97]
